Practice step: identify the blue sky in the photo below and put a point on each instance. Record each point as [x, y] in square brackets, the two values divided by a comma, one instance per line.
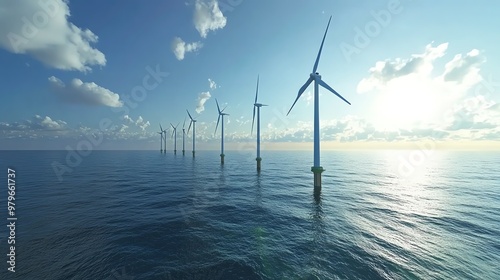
[413, 71]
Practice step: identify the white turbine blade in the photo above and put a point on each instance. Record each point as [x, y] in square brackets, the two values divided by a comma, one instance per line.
[264, 105]
[257, 90]
[218, 119]
[218, 108]
[301, 91]
[190, 123]
[172, 125]
[325, 85]
[161, 128]
[223, 109]
[253, 120]
[189, 115]
[321, 47]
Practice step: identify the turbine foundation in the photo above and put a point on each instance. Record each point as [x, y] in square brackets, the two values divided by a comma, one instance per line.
[221, 158]
[183, 152]
[193, 153]
[317, 170]
[175, 152]
[259, 159]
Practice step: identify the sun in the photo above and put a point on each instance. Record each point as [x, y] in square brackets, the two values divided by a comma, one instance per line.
[407, 103]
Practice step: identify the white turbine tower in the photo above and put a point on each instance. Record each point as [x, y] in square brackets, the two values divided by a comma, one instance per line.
[164, 136]
[183, 137]
[161, 139]
[193, 122]
[221, 114]
[257, 105]
[174, 134]
[314, 76]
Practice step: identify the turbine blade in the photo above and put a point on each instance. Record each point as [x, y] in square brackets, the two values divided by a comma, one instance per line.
[184, 124]
[321, 47]
[223, 109]
[257, 91]
[218, 108]
[218, 119]
[325, 85]
[253, 119]
[161, 128]
[177, 125]
[301, 91]
[189, 115]
[190, 123]
[172, 125]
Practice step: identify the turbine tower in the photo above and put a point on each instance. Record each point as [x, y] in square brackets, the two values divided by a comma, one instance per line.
[193, 122]
[257, 105]
[161, 139]
[316, 77]
[164, 136]
[183, 136]
[174, 134]
[221, 114]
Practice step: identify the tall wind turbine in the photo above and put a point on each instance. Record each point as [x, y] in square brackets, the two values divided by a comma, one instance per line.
[257, 105]
[161, 139]
[316, 77]
[193, 122]
[164, 136]
[221, 114]
[183, 136]
[174, 134]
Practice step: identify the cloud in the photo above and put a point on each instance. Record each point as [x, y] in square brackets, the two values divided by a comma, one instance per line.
[142, 124]
[212, 84]
[127, 119]
[41, 29]
[85, 93]
[180, 48]
[464, 68]
[385, 71]
[36, 123]
[208, 17]
[202, 98]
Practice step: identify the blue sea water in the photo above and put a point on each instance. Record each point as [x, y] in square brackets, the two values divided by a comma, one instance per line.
[146, 215]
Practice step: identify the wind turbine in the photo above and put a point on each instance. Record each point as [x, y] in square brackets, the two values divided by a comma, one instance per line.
[193, 122]
[183, 136]
[221, 114]
[174, 134]
[161, 139]
[257, 105]
[164, 131]
[316, 77]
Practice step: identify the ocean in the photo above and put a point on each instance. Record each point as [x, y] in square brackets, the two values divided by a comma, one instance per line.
[147, 215]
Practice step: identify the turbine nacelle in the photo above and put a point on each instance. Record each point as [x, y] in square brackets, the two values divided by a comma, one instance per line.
[315, 76]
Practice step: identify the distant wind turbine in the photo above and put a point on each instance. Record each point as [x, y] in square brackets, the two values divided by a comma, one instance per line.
[161, 139]
[316, 77]
[221, 114]
[164, 137]
[257, 105]
[193, 122]
[183, 136]
[174, 134]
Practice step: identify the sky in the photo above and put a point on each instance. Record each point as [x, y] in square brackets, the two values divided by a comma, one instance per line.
[113, 71]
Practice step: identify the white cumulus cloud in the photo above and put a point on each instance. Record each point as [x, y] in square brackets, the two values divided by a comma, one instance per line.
[202, 98]
[208, 17]
[180, 48]
[84, 93]
[41, 29]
